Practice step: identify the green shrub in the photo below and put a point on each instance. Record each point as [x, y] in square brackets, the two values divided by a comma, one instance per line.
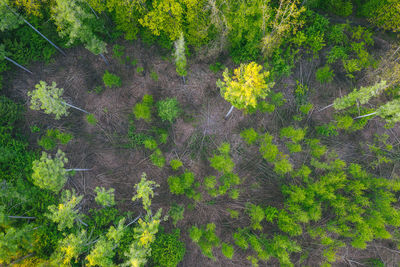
[175, 164]
[205, 238]
[111, 80]
[48, 143]
[168, 109]
[216, 67]
[157, 158]
[118, 51]
[154, 76]
[139, 69]
[10, 112]
[324, 74]
[335, 54]
[167, 249]
[227, 250]
[249, 135]
[104, 197]
[143, 110]
[295, 135]
[54, 136]
[91, 119]
[150, 143]
[180, 185]
[176, 213]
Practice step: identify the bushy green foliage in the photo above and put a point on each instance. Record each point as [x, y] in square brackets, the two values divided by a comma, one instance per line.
[144, 191]
[256, 214]
[168, 109]
[111, 80]
[222, 161]
[143, 110]
[206, 238]
[324, 74]
[249, 135]
[157, 158]
[183, 184]
[48, 98]
[176, 213]
[66, 212]
[227, 250]
[91, 119]
[175, 164]
[52, 137]
[118, 51]
[10, 111]
[104, 197]
[167, 250]
[49, 173]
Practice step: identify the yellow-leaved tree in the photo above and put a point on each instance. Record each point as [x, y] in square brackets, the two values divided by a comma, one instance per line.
[245, 87]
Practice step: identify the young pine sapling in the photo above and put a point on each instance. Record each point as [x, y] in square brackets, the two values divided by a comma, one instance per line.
[180, 57]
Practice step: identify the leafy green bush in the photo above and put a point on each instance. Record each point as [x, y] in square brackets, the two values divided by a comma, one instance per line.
[54, 136]
[104, 197]
[118, 51]
[180, 185]
[324, 74]
[111, 80]
[176, 213]
[139, 69]
[167, 249]
[175, 164]
[335, 54]
[143, 110]
[157, 158]
[168, 109]
[91, 119]
[154, 76]
[10, 111]
[227, 250]
[205, 238]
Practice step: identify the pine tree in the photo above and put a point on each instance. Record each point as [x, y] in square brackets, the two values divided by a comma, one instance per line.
[72, 19]
[105, 197]
[245, 87]
[66, 212]
[48, 98]
[144, 190]
[70, 248]
[180, 57]
[49, 173]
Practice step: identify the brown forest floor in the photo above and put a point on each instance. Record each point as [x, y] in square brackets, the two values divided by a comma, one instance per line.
[97, 147]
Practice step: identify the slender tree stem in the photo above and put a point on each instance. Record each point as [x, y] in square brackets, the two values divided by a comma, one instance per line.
[229, 112]
[22, 217]
[36, 30]
[367, 115]
[325, 107]
[72, 106]
[137, 218]
[77, 170]
[104, 58]
[22, 67]
[92, 10]
[184, 80]
[79, 220]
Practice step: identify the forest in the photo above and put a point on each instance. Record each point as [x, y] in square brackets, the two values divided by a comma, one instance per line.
[199, 133]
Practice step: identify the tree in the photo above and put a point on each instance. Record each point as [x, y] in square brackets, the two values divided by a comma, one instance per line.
[49, 173]
[65, 213]
[48, 98]
[104, 250]
[105, 197]
[69, 248]
[180, 57]
[286, 19]
[15, 243]
[3, 54]
[245, 87]
[144, 190]
[8, 21]
[72, 21]
[384, 14]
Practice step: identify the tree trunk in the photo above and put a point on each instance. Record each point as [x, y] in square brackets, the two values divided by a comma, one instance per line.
[36, 30]
[77, 170]
[104, 58]
[367, 115]
[21, 217]
[325, 107]
[92, 9]
[72, 106]
[229, 112]
[22, 67]
[184, 80]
